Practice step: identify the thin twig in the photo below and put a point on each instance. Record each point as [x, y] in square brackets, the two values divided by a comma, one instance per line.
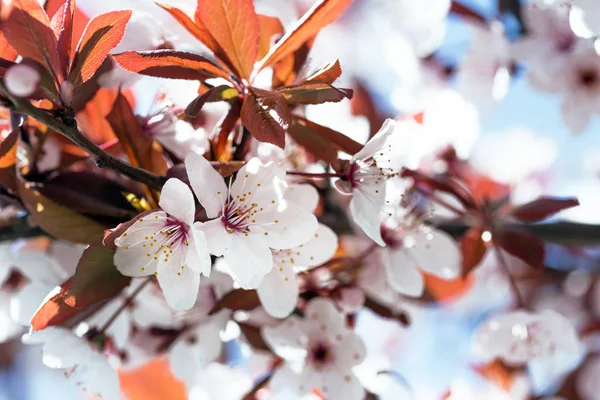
[125, 304]
[102, 158]
[511, 279]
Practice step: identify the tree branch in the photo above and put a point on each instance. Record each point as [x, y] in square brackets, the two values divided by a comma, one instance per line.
[102, 158]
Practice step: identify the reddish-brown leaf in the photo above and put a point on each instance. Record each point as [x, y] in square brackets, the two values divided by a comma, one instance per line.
[96, 278]
[102, 34]
[136, 144]
[343, 142]
[237, 300]
[62, 24]
[269, 27]
[321, 14]
[448, 186]
[328, 74]
[220, 142]
[314, 93]
[54, 312]
[522, 245]
[254, 337]
[217, 93]
[314, 143]
[8, 159]
[234, 25]
[6, 50]
[28, 31]
[195, 28]
[266, 115]
[473, 249]
[542, 208]
[170, 64]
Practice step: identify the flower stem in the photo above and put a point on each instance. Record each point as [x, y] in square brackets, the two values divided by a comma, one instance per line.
[520, 303]
[321, 175]
[102, 158]
[125, 304]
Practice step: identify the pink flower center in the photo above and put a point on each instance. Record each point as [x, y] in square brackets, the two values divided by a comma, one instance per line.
[169, 238]
[238, 214]
[320, 354]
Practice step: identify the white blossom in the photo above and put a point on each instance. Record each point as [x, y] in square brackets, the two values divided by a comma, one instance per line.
[249, 217]
[167, 243]
[518, 337]
[319, 353]
[585, 18]
[21, 80]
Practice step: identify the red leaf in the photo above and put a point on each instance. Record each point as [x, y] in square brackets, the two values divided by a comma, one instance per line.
[102, 34]
[6, 50]
[96, 278]
[320, 15]
[8, 160]
[170, 64]
[343, 142]
[473, 249]
[542, 208]
[313, 142]
[314, 93]
[54, 311]
[522, 245]
[328, 74]
[237, 300]
[234, 25]
[266, 115]
[28, 31]
[62, 24]
[195, 28]
[269, 27]
[218, 93]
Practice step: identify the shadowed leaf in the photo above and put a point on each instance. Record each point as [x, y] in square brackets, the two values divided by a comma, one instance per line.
[542, 208]
[314, 93]
[328, 74]
[266, 115]
[341, 141]
[218, 93]
[314, 143]
[522, 245]
[237, 300]
[8, 159]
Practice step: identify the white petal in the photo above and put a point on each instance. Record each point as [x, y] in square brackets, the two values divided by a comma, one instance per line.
[179, 285]
[286, 384]
[305, 196]
[217, 237]
[21, 80]
[26, 302]
[349, 351]
[438, 253]
[365, 209]
[377, 141]
[323, 318]
[278, 291]
[319, 249]
[198, 257]
[291, 226]
[207, 183]
[141, 228]
[249, 260]
[341, 386]
[262, 183]
[135, 261]
[402, 272]
[176, 199]
[288, 339]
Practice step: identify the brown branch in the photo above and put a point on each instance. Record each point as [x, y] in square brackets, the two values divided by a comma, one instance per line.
[102, 158]
[464, 11]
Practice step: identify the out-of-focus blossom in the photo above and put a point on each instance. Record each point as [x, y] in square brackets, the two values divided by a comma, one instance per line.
[166, 244]
[21, 80]
[484, 73]
[588, 384]
[585, 18]
[529, 153]
[411, 246]
[278, 291]
[248, 218]
[220, 382]
[351, 299]
[80, 359]
[518, 337]
[320, 352]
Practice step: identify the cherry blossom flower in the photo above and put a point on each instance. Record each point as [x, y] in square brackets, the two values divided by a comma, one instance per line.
[411, 246]
[167, 243]
[319, 353]
[366, 179]
[80, 359]
[518, 337]
[21, 80]
[278, 291]
[484, 74]
[248, 218]
[587, 383]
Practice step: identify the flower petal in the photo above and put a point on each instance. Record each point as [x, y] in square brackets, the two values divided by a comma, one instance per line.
[341, 386]
[402, 272]
[305, 196]
[365, 208]
[323, 319]
[290, 226]
[259, 181]
[288, 339]
[26, 302]
[177, 200]
[278, 291]
[319, 249]
[249, 259]
[217, 238]
[198, 257]
[437, 253]
[179, 284]
[146, 226]
[207, 183]
[135, 261]
[377, 141]
[349, 351]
